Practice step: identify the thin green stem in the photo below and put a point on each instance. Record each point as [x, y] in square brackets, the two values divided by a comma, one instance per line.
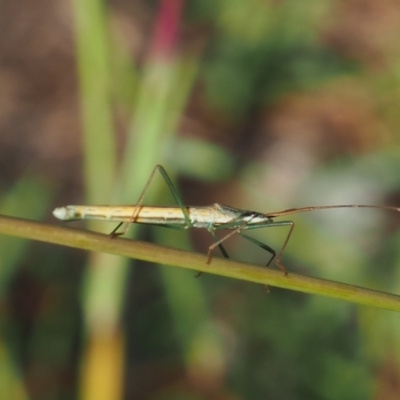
[194, 261]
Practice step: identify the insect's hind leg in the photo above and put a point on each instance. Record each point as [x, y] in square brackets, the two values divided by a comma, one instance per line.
[139, 203]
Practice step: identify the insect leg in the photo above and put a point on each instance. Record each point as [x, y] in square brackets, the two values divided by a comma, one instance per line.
[217, 242]
[139, 203]
[262, 245]
[115, 233]
[274, 224]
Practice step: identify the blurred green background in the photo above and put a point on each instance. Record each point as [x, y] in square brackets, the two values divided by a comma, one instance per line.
[261, 105]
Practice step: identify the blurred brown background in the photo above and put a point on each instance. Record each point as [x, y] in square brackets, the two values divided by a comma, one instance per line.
[262, 105]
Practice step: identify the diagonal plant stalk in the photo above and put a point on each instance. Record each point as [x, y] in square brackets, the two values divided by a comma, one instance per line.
[194, 261]
[159, 94]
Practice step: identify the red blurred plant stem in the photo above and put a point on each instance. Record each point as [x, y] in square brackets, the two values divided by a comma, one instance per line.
[166, 32]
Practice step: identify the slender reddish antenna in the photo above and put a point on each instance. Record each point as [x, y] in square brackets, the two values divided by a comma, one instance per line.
[313, 208]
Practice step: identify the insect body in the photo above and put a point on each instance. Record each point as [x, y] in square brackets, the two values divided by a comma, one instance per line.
[199, 217]
[213, 218]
